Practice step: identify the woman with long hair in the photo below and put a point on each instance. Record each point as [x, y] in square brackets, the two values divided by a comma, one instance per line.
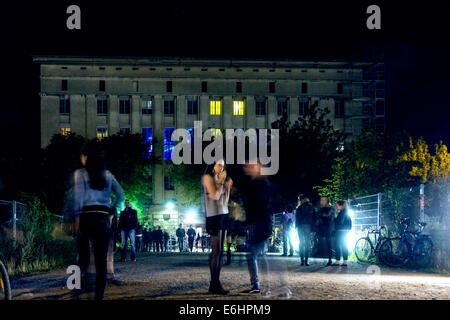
[93, 185]
[216, 192]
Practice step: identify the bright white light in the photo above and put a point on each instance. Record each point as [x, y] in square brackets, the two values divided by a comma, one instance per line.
[351, 213]
[294, 238]
[170, 205]
[190, 217]
[351, 236]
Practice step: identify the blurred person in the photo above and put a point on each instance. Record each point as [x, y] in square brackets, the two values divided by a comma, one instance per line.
[325, 217]
[191, 236]
[304, 220]
[256, 195]
[342, 225]
[94, 214]
[235, 217]
[198, 237]
[128, 223]
[288, 223]
[146, 237]
[216, 193]
[139, 238]
[181, 234]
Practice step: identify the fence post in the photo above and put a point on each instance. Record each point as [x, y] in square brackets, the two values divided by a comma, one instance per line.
[14, 207]
[422, 202]
[379, 211]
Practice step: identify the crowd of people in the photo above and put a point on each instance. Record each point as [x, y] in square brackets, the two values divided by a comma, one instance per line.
[232, 211]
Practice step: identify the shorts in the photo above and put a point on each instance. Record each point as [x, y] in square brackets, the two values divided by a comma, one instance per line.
[216, 223]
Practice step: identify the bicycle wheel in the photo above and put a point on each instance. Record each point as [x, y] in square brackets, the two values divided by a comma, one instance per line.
[393, 252]
[5, 287]
[363, 249]
[423, 250]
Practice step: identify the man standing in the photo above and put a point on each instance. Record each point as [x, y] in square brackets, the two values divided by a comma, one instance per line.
[159, 239]
[326, 220]
[304, 220]
[288, 223]
[255, 195]
[181, 234]
[191, 236]
[166, 238]
[127, 224]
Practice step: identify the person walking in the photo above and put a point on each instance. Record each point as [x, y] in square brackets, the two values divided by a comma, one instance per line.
[128, 223]
[288, 223]
[166, 238]
[256, 194]
[181, 234]
[304, 220]
[216, 193]
[191, 236]
[342, 225]
[94, 214]
[325, 226]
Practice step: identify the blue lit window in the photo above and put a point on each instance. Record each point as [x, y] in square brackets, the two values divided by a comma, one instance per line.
[147, 133]
[168, 143]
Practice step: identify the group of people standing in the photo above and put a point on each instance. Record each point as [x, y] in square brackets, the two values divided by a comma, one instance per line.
[324, 221]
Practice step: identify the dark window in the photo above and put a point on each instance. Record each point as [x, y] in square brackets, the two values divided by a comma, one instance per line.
[101, 85]
[192, 107]
[102, 106]
[124, 131]
[260, 108]
[148, 107]
[271, 87]
[303, 107]
[169, 86]
[379, 124]
[239, 87]
[282, 108]
[339, 111]
[64, 105]
[169, 106]
[379, 108]
[168, 143]
[304, 87]
[204, 86]
[124, 106]
[63, 85]
[168, 183]
[340, 88]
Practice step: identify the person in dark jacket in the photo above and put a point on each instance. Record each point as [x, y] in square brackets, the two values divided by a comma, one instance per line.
[304, 220]
[159, 239]
[181, 234]
[325, 217]
[191, 236]
[166, 238]
[146, 237]
[256, 193]
[128, 223]
[342, 225]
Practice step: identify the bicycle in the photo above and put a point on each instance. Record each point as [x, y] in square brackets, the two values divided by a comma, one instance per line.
[5, 286]
[365, 250]
[399, 251]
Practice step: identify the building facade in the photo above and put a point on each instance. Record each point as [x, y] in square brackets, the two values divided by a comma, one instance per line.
[99, 96]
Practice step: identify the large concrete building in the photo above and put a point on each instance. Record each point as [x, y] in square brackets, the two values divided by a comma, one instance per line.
[100, 96]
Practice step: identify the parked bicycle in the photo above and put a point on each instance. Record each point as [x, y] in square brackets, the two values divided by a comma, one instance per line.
[5, 287]
[366, 250]
[412, 247]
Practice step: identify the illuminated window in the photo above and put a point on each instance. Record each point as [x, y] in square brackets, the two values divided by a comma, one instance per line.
[64, 130]
[215, 106]
[238, 108]
[102, 132]
[168, 143]
[215, 132]
[148, 107]
[148, 136]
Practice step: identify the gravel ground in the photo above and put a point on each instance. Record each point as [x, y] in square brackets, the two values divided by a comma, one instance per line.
[186, 276]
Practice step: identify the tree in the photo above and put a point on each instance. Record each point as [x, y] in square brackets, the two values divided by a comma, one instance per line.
[307, 150]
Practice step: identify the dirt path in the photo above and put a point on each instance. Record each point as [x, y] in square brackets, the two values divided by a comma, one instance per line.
[186, 276]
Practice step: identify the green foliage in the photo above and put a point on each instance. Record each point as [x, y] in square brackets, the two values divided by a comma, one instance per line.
[187, 182]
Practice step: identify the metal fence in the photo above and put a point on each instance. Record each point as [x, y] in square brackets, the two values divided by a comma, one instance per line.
[10, 213]
[365, 212]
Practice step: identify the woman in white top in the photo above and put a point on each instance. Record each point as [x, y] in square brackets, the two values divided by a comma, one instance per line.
[216, 192]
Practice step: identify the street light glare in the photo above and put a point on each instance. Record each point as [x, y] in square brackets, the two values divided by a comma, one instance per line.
[170, 205]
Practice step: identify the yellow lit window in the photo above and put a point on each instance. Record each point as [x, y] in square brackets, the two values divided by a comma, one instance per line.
[238, 108]
[215, 107]
[102, 132]
[215, 132]
[64, 130]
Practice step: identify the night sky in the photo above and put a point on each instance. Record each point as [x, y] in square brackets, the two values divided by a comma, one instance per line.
[414, 41]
